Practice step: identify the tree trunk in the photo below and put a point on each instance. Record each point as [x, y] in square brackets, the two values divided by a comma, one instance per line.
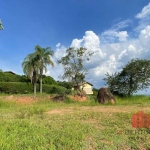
[34, 82]
[130, 86]
[34, 90]
[40, 84]
[41, 73]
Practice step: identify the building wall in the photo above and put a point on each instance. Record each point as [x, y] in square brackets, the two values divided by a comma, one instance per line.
[87, 88]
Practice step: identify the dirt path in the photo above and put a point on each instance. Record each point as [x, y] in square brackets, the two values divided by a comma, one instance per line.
[106, 109]
[19, 99]
[101, 108]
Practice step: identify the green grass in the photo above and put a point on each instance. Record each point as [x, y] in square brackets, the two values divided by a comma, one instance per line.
[77, 126]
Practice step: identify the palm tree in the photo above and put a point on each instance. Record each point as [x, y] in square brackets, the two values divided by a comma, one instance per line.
[30, 68]
[44, 58]
[1, 27]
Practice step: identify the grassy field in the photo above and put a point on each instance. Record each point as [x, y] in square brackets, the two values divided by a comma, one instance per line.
[71, 125]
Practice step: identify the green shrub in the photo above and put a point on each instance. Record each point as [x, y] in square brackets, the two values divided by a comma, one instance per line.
[48, 80]
[54, 89]
[26, 88]
[9, 77]
[16, 88]
[67, 85]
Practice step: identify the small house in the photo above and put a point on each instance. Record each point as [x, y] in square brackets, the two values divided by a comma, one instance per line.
[87, 87]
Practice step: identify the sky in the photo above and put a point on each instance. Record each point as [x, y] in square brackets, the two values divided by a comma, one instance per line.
[115, 30]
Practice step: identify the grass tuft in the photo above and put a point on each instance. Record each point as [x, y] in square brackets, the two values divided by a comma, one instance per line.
[72, 125]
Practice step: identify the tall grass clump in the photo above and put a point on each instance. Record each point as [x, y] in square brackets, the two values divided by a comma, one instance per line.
[133, 100]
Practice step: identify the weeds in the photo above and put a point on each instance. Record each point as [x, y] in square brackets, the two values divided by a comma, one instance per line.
[87, 126]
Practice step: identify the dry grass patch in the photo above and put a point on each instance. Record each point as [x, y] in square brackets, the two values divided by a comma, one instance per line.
[102, 109]
[60, 111]
[78, 98]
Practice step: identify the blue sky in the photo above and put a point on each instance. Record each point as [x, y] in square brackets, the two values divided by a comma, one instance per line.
[115, 30]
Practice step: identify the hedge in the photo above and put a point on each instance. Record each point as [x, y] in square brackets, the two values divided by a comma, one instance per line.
[25, 88]
[55, 89]
[9, 77]
[16, 87]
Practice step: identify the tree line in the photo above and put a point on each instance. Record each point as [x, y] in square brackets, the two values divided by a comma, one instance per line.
[35, 63]
[133, 77]
[12, 83]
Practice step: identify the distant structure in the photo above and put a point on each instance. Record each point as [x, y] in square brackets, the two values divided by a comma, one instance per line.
[10, 72]
[87, 88]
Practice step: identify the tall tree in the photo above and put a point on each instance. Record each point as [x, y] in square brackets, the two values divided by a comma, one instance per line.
[30, 68]
[74, 69]
[112, 82]
[133, 77]
[1, 27]
[44, 58]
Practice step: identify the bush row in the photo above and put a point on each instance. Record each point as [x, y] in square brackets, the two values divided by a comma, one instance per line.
[25, 88]
[55, 89]
[9, 77]
[15, 88]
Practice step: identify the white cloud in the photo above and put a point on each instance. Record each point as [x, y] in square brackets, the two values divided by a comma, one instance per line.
[112, 50]
[145, 33]
[145, 13]
[109, 57]
[92, 42]
[58, 45]
[76, 43]
[58, 69]
[144, 37]
[143, 18]
[109, 65]
[60, 52]
[116, 33]
[123, 53]
[121, 25]
[122, 35]
[131, 48]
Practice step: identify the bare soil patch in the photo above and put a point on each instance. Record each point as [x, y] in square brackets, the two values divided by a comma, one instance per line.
[19, 99]
[100, 108]
[61, 111]
[78, 98]
[26, 100]
[105, 109]
[114, 109]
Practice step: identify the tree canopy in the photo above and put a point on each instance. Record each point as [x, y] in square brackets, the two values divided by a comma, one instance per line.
[30, 68]
[134, 76]
[74, 69]
[43, 56]
[9, 77]
[67, 85]
[35, 63]
[48, 80]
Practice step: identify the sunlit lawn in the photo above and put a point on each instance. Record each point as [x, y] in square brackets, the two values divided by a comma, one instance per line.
[70, 125]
